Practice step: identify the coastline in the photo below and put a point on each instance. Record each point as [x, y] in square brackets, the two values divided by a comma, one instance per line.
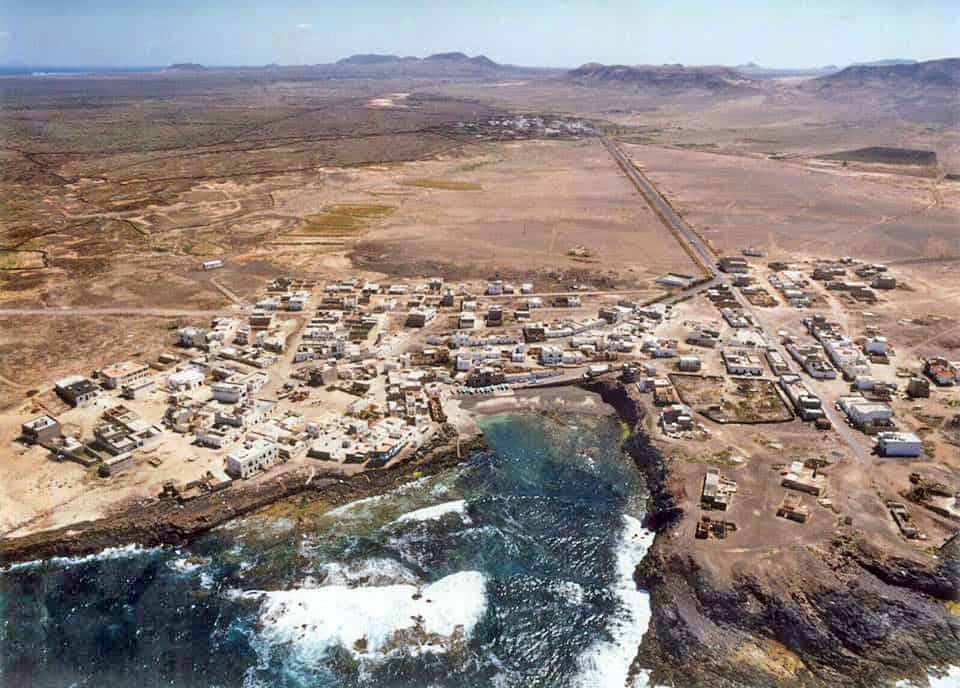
[849, 615]
[159, 522]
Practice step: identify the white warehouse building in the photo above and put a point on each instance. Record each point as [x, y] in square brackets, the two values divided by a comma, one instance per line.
[903, 444]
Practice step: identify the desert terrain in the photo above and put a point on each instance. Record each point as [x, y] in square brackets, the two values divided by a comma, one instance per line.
[115, 192]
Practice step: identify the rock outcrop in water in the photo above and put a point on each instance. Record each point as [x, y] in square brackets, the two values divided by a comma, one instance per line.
[845, 614]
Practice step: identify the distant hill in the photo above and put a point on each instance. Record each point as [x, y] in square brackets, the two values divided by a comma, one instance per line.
[479, 60]
[882, 63]
[365, 60]
[664, 76]
[187, 67]
[934, 73]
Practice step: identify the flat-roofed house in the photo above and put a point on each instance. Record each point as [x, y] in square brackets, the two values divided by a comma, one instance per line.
[252, 457]
[717, 490]
[124, 373]
[77, 390]
[40, 430]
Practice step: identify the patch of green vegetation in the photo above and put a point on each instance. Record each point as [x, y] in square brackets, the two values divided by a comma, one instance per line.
[201, 247]
[36, 243]
[443, 184]
[470, 167]
[401, 194]
[21, 260]
[344, 219]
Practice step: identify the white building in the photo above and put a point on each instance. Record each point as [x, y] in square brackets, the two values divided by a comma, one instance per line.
[252, 457]
[229, 392]
[124, 373]
[904, 444]
[848, 359]
[863, 413]
[218, 436]
[187, 379]
[551, 356]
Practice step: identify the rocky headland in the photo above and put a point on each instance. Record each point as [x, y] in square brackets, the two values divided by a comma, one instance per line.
[846, 614]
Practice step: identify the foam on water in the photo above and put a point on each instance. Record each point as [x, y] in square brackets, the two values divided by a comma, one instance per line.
[187, 564]
[109, 553]
[371, 572]
[951, 679]
[356, 508]
[431, 513]
[569, 591]
[607, 662]
[371, 622]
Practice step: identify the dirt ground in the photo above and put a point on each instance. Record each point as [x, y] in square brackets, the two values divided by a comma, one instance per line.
[529, 205]
[125, 186]
[796, 209]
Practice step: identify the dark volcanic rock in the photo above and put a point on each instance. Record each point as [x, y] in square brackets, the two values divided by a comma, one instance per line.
[166, 522]
[843, 615]
[943, 73]
[664, 77]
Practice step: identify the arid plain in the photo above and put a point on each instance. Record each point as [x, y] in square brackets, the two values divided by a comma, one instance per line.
[114, 191]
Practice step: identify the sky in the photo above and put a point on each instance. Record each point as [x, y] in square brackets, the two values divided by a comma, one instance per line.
[774, 33]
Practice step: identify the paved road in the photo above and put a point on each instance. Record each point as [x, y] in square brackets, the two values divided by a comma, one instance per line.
[697, 246]
[660, 206]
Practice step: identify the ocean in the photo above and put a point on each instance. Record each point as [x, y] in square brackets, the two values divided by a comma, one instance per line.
[71, 71]
[512, 569]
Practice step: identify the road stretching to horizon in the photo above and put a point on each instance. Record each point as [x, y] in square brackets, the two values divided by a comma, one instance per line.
[703, 254]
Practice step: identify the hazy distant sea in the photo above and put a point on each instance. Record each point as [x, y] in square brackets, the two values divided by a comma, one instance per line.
[75, 71]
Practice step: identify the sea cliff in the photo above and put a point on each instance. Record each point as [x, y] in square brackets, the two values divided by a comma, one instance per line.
[844, 614]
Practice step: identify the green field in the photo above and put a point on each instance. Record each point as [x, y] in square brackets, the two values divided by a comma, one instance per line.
[443, 184]
[342, 220]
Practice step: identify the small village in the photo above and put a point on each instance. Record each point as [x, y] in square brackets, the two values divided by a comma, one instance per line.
[354, 375]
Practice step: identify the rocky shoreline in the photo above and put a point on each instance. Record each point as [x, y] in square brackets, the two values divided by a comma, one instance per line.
[847, 614]
[166, 522]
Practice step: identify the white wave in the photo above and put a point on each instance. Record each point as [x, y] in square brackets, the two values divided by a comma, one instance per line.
[607, 662]
[570, 591]
[373, 621]
[371, 572]
[431, 513]
[951, 679]
[188, 565]
[124, 552]
[349, 508]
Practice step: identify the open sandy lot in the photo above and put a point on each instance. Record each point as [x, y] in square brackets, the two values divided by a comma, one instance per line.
[792, 209]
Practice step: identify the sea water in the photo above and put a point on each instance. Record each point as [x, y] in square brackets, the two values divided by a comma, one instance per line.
[512, 569]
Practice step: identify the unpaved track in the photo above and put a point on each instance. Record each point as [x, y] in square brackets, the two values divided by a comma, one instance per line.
[80, 311]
